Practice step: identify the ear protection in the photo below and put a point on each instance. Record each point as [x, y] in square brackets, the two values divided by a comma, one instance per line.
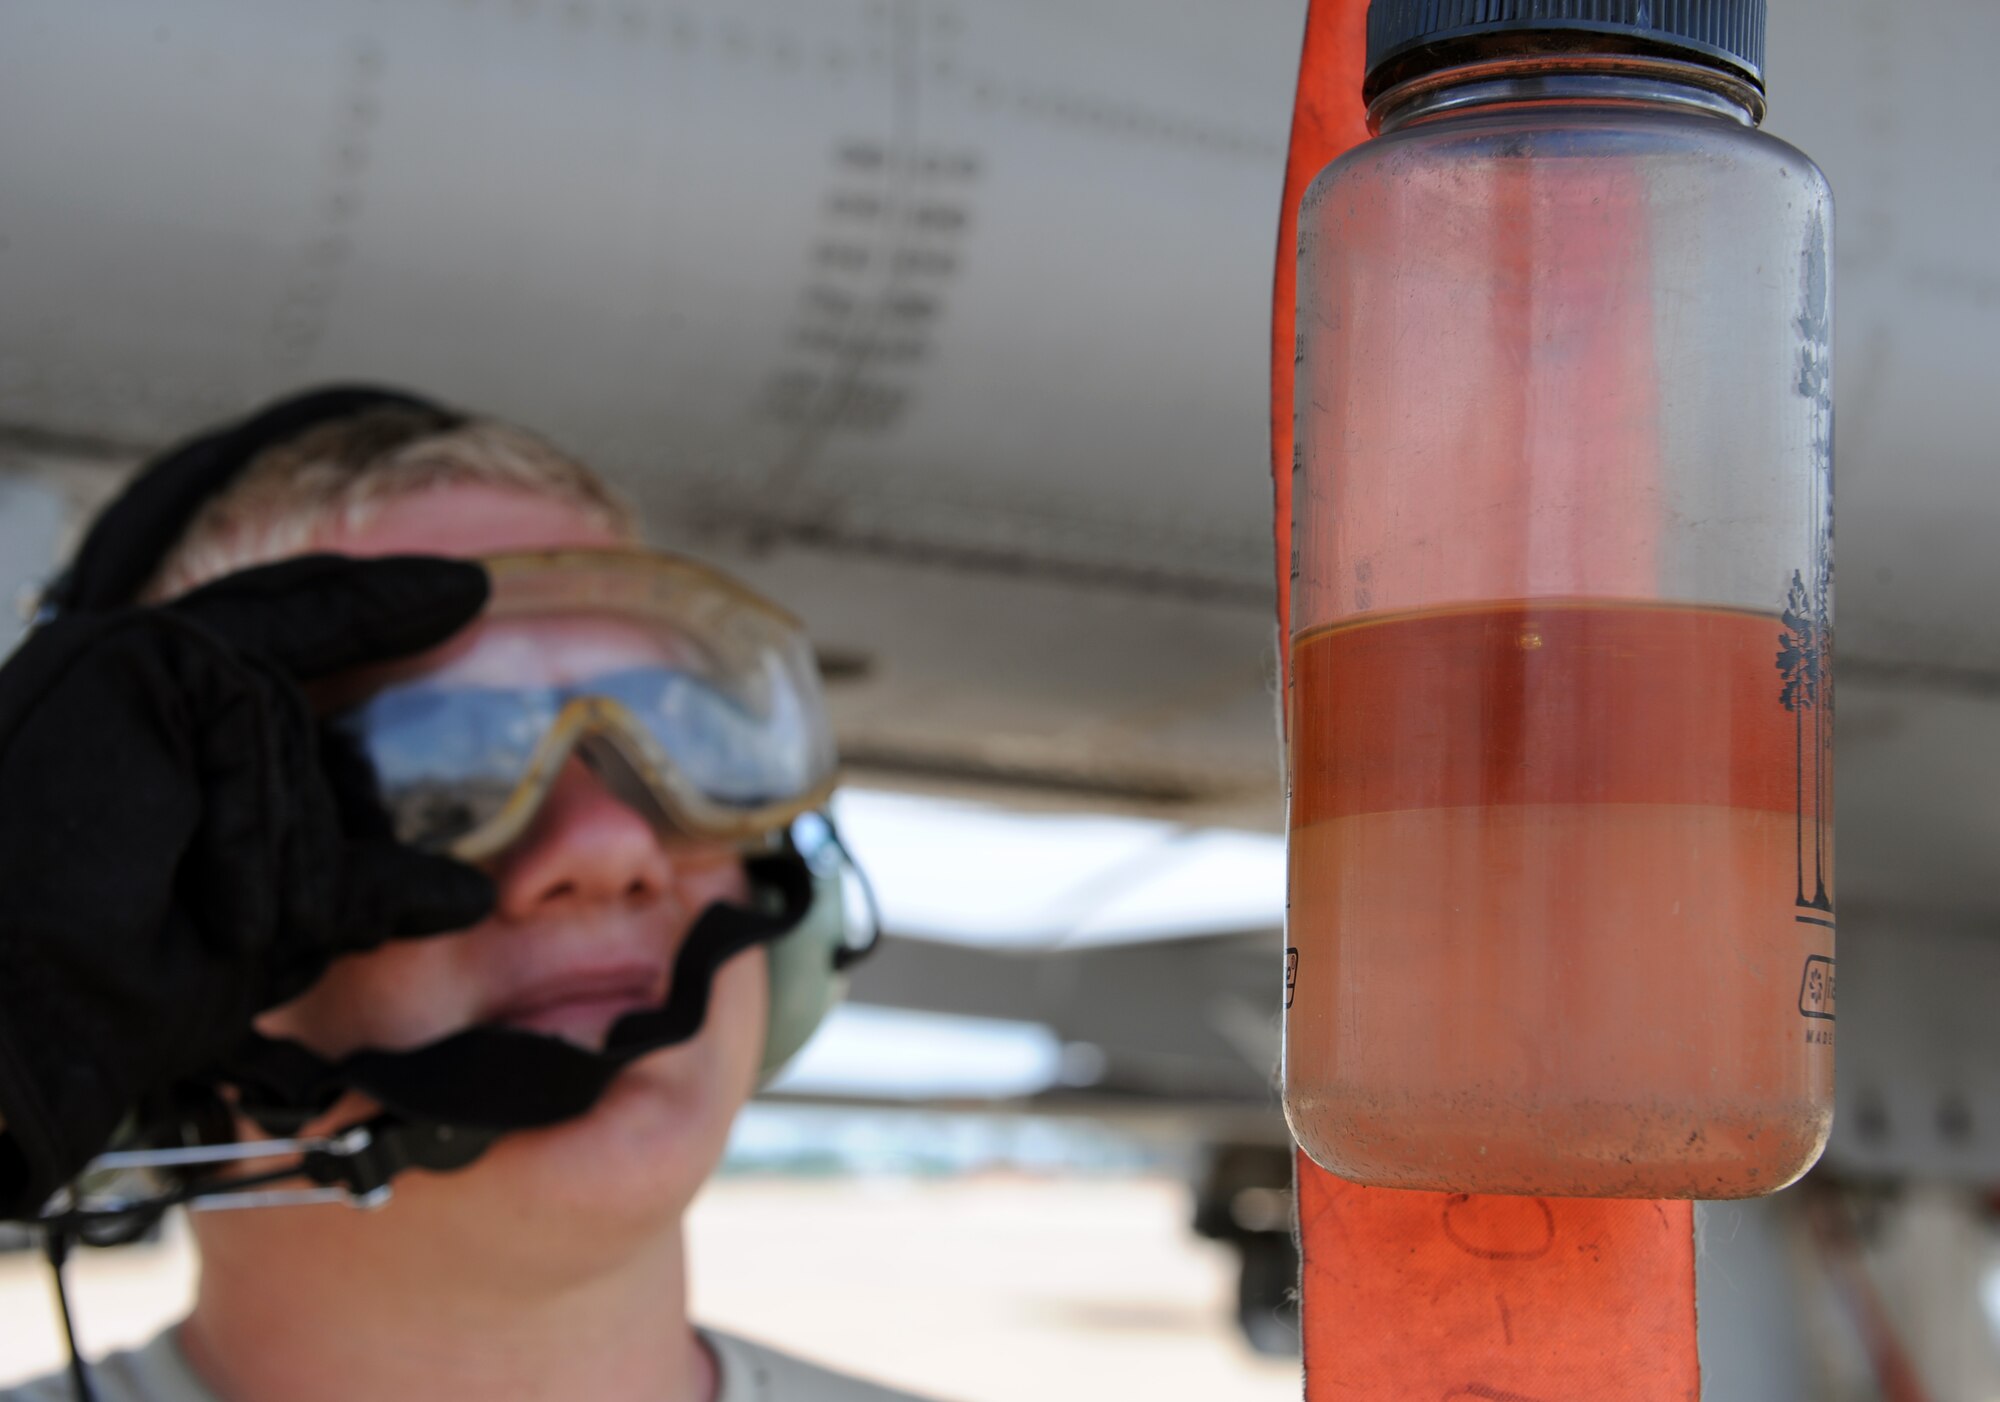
[807, 968]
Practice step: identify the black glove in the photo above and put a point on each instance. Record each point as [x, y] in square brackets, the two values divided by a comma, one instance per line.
[178, 848]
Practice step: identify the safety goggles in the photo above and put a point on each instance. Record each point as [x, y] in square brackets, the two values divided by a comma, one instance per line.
[696, 701]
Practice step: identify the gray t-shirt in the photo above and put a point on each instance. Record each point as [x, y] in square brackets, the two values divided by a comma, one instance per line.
[158, 1372]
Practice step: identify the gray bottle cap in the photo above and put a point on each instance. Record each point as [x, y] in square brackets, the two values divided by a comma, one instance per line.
[1408, 38]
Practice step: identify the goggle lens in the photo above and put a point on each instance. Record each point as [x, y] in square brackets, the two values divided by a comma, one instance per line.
[698, 701]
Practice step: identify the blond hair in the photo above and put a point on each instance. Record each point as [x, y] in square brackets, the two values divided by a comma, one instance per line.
[340, 475]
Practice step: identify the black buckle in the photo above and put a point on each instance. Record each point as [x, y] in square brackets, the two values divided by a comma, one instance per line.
[360, 1160]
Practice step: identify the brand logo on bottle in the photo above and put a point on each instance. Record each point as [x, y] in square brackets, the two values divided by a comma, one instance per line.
[1805, 638]
[1806, 690]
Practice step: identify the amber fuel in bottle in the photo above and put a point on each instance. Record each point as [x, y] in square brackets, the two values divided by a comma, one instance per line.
[1561, 915]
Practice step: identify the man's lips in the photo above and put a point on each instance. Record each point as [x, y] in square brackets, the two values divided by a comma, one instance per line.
[581, 1005]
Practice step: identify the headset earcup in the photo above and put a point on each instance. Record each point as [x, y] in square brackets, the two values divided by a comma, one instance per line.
[804, 985]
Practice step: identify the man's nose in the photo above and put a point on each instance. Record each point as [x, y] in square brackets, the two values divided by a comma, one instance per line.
[585, 848]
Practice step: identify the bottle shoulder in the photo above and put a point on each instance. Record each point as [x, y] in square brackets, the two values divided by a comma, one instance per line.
[1795, 163]
[1573, 136]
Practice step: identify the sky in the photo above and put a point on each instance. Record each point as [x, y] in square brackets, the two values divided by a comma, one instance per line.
[978, 874]
[975, 873]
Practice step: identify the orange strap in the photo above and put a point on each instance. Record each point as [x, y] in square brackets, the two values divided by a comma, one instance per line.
[1327, 118]
[1444, 1297]
[1435, 1297]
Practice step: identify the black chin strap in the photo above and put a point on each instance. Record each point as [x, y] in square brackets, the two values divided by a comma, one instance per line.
[475, 1084]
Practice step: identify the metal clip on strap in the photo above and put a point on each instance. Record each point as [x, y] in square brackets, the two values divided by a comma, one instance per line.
[386, 1147]
[353, 1165]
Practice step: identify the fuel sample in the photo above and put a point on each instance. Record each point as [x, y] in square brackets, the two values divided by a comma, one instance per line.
[1561, 861]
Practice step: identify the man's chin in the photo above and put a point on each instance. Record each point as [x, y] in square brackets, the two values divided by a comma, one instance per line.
[637, 1158]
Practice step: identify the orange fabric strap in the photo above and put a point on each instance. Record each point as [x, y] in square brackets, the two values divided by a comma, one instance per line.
[1327, 119]
[1435, 1297]
[1445, 1297]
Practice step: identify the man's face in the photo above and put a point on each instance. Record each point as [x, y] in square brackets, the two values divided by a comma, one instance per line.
[593, 906]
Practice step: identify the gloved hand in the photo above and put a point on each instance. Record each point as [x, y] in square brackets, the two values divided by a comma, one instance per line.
[178, 850]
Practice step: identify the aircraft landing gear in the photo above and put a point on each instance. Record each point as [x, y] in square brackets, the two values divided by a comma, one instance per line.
[1244, 1197]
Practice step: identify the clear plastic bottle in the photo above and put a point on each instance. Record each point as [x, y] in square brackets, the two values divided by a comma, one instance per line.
[1560, 713]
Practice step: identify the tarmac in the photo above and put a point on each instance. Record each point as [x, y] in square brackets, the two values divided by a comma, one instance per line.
[990, 1287]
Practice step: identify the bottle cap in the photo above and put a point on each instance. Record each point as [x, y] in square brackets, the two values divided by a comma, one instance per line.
[1408, 38]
